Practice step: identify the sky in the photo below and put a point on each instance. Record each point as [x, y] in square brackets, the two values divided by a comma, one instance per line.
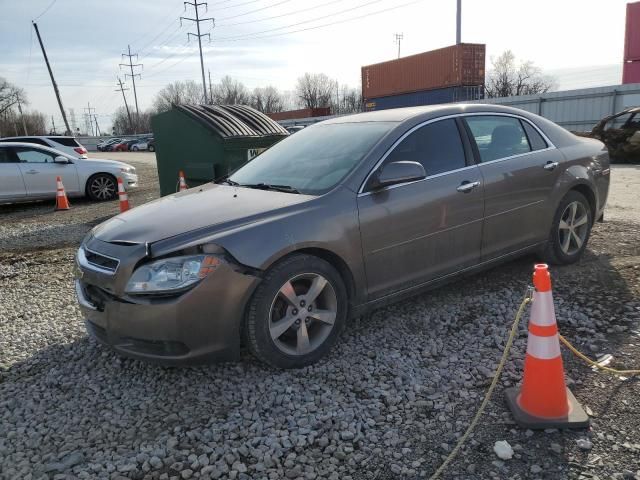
[273, 42]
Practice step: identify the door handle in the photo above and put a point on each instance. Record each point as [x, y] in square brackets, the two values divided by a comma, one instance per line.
[550, 165]
[467, 186]
[31, 172]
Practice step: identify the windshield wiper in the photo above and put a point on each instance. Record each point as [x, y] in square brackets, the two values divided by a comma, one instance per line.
[267, 186]
[228, 181]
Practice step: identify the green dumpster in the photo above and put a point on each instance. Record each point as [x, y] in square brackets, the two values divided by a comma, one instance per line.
[207, 142]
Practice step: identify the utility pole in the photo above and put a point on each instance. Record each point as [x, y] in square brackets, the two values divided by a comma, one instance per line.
[199, 35]
[89, 115]
[24, 124]
[399, 37]
[74, 123]
[132, 75]
[210, 89]
[95, 117]
[53, 81]
[53, 123]
[126, 105]
[459, 23]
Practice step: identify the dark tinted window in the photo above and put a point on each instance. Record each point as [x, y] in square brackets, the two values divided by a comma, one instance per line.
[6, 156]
[536, 142]
[437, 146]
[66, 141]
[497, 136]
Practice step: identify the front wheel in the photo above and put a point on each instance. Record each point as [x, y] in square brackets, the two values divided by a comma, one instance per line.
[296, 313]
[151, 148]
[570, 230]
[102, 187]
[135, 149]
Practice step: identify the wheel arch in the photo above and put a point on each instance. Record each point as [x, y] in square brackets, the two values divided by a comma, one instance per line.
[589, 194]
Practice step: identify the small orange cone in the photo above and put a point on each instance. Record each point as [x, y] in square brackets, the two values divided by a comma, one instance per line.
[124, 198]
[62, 202]
[182, 182]
[544, 401]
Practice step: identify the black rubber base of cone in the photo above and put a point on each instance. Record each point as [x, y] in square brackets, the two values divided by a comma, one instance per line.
[577, 417]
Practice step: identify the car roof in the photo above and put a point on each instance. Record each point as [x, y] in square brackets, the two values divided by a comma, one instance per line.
[34, 145]
[47, 137]
[426, 111]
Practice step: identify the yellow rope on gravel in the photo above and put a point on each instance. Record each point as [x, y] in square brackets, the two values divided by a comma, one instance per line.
[582, 356]
[514, 328]
[487, 397]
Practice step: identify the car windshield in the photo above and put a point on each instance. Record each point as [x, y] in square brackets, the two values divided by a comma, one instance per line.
[314, 160]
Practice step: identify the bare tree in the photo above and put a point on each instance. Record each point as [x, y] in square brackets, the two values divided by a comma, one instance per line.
[315, 90]
[508, 77]
[230, 92]
[121, 125]
[267, 100]
[177, 93]
[10, 95]
[349, 100]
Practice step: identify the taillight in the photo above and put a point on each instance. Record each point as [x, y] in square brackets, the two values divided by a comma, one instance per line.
[80, 150]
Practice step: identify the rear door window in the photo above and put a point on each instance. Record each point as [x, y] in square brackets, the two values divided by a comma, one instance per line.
[437, 146]
[498, 136]
[7, 156]
[536, 142]
[66, 141]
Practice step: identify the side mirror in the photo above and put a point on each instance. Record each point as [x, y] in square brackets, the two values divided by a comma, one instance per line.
[61, 159]
[398, 172]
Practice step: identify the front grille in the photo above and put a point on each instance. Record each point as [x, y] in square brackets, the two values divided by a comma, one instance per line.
[101, 261]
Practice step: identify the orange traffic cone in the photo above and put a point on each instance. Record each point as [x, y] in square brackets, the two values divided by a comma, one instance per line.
[182, 182]
[544, 401]
[124, 198]
[62, 202]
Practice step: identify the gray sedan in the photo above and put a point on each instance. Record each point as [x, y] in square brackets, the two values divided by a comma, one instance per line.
[343, 217]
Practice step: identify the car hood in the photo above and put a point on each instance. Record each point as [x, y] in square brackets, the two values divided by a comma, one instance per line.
[210, 205]
[104, 163]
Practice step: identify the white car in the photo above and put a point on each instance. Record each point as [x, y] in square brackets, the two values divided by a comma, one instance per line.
[28, 172]
[67, 145]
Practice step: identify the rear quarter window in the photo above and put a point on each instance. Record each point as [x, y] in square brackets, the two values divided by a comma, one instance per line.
[65, 141]
[535, 139]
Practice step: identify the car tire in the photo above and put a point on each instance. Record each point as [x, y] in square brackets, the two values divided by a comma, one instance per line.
[570, 230]
[151, 148]
[135, 149]
[102, 187]
[281, 327]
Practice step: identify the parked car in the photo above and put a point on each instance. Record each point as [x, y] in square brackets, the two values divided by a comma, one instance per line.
[107, 145]
[294, 128]
[623, 139]
[340, 218]
[121, 146]
[28, 172]
[140, 144]
[67, 145]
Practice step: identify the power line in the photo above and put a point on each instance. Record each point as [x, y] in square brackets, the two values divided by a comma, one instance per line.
[378, 12]
[256, 10]
[199, 36]
[132, 75]
[45, 10]
[218, 25]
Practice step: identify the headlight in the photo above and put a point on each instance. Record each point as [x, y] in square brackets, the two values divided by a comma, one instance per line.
[172, 274]
[128, 170]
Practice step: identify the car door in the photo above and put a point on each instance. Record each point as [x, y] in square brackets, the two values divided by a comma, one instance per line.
[416, 232]
[519, 167]
[11, 184]
[39, 172]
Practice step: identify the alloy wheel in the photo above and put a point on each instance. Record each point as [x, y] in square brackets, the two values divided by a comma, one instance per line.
[573, 227]
[103, 188]
[303, 314]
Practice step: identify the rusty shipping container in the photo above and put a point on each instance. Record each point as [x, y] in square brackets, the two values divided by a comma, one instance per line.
[302, 113]
[457, 65]
[632, 33]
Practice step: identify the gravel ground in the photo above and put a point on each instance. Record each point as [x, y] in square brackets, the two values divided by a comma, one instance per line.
[389, 401]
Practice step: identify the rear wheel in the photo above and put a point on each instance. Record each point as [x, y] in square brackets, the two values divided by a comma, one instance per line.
[570, 230]
[102, 187]
[151, 148]
[296, 313]
[134, 148]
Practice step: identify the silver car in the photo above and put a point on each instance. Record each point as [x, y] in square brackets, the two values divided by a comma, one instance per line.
[340, 218]
[28, 172]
